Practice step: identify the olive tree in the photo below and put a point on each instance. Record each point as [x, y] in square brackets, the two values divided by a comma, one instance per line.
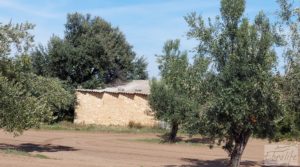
[290, 23]
[175, 98]
[246, 100]
[26, 99]
[166, 97]
[18, 110]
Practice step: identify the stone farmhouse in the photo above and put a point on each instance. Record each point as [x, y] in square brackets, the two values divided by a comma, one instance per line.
[115, 105]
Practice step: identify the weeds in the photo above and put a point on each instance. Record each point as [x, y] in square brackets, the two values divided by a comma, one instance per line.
[23, 153]
[68, 126]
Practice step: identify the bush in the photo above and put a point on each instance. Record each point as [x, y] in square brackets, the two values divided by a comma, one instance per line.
[136, 125]
[51, 92]
[19, 110]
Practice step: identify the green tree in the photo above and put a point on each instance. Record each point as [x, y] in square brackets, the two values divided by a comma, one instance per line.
[40, 62]
[290, 19]
[246, 100]
[51, 92]
[56, 95]
[168, 106]
[92, 53]
[13, 36]
[166, 97]
[139, 69]
[175, 98]
[17, 35]
[26, 99]
[18, 110]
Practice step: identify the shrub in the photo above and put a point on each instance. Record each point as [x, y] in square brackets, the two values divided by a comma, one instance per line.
[136, 125]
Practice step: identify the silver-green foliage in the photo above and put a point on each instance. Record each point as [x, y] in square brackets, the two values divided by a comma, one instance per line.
[50, 91]
[19, 111]
[290, 31]
[245, 99]
[17, 35]
[26, 99]
[176, 97]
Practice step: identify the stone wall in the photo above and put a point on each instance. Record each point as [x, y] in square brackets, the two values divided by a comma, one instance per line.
[112, 109]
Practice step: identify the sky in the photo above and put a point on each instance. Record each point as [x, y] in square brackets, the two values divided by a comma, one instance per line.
[147, 24]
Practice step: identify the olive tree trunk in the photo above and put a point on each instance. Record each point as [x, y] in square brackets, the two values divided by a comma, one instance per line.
[237, 152]
[173, 133]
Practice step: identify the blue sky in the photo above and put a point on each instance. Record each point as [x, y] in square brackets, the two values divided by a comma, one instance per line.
[147, 24]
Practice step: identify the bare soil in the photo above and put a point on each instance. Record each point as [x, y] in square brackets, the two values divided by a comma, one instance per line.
[91, 149]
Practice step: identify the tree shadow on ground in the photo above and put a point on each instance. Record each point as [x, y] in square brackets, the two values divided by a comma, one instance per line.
[165, 138]
[29, 147]
[202, 140]
[211, 163]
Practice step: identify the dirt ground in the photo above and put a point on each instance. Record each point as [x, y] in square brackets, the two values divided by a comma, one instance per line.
[87, 149]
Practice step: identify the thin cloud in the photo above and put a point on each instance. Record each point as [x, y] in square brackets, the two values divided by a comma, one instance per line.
[151, 8]
[40, 12]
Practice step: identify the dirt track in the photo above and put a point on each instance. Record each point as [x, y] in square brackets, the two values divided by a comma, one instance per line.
[80, 149]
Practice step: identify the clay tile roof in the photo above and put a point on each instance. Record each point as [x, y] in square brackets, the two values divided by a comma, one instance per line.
[132, 87]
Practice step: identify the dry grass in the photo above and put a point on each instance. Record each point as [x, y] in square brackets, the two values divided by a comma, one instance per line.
[100, 128]
[23, 153]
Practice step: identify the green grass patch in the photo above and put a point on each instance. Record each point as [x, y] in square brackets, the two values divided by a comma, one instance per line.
[68, 126]
[41, 156]
[149, 140]
[15, 152]
[23, 153]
